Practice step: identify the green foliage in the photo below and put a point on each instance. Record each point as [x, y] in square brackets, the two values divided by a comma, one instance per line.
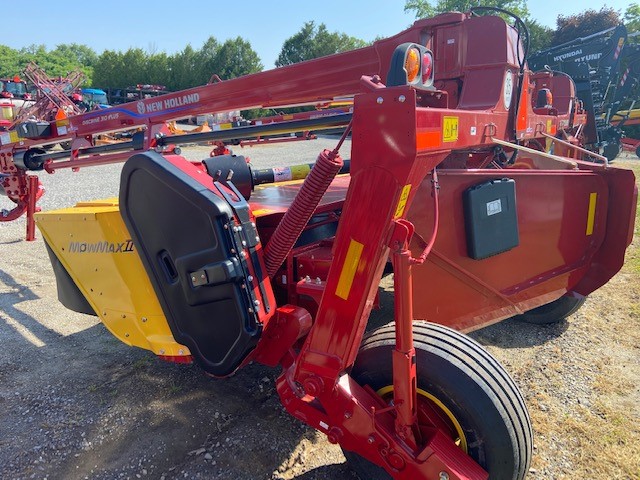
[584, 24]
[185, 69]
[57, 62]
[313, 42]
[540, 36]
[632, 18]
[236, 58]
[425, 9]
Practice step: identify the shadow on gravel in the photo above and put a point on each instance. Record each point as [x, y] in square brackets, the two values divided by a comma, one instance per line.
[513, 333]
[84, 405]
[337, 470]
[10, 242]
[13, 318]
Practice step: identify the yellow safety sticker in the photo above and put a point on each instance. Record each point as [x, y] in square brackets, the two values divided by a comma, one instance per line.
[591, 216]
[404, 196]
[262, 211]
[225, 126]
[449, 129]
[349, 269]
[549, 124]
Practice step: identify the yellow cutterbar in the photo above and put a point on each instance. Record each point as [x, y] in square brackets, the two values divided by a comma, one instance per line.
[93, 244]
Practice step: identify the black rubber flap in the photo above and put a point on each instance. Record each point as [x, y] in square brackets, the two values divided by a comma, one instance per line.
[69, 294]
[491, 219]
[178, 226]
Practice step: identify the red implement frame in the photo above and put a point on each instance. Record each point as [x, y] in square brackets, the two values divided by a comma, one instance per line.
[399, 137]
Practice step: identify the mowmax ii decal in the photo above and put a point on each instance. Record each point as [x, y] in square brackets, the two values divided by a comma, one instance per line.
[101, 247]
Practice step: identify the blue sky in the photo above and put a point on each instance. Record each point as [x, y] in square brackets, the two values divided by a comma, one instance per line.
[169, 26]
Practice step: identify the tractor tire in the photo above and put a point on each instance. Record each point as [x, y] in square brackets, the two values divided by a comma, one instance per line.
[553, 312]
[638, 151]
[478, 404]
[611, 151]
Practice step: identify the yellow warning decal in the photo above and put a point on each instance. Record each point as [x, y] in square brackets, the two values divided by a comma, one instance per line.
[404, 196]
[349, 269]
[591, 216]
[449, 129]
[262, 211]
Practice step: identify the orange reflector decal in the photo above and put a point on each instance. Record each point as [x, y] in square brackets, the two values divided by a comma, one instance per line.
[591, 216]
[404, 196]
[427, 139]
[521, 123]
[349, 269]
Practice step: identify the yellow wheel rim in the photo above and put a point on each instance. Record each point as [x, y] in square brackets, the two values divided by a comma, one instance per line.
[461, 440]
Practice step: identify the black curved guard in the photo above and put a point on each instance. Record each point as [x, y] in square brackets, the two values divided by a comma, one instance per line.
[178, 226]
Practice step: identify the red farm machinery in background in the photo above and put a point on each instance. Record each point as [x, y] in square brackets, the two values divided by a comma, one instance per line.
[450, 186]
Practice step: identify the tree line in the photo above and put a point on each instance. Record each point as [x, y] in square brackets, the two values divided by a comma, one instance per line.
[187, 68]
[235, 57]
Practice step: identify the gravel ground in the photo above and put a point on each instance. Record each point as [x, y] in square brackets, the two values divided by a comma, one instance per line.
[76, 403]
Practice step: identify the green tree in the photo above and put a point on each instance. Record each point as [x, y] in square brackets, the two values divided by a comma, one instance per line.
[236, 58]
[157, 69]
[425, 8]
[584, 24]
[632, 18]
[313, 42]
[80, 55]
[183, 70]
[108, 68]
[540, 36]
[207, 63]
[10, 62]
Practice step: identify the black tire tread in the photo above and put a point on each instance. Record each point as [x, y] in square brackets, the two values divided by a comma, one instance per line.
[478, 364]
[552, 312]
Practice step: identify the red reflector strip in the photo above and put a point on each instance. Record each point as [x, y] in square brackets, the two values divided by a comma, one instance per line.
[176, 358]
[427, 139]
